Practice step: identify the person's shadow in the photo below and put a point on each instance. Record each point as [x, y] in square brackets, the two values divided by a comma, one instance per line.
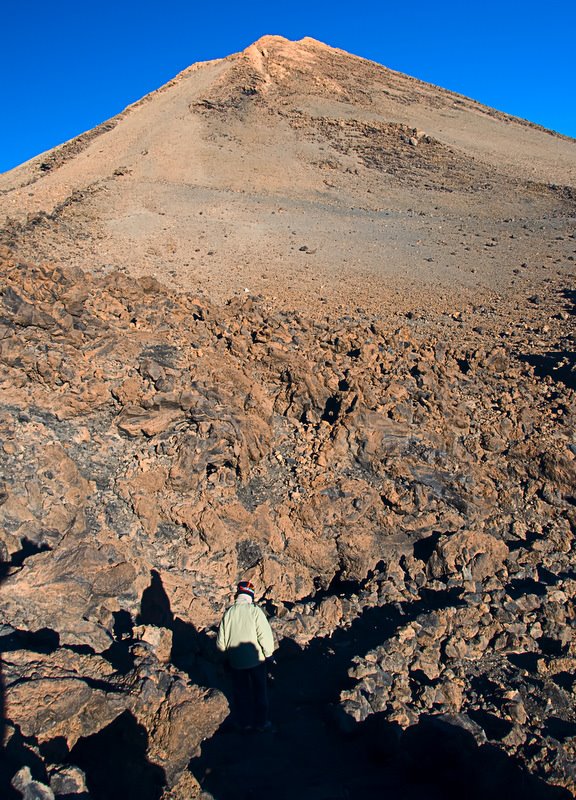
[155, 604]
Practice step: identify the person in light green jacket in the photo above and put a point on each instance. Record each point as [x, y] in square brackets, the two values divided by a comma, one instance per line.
[246, 638]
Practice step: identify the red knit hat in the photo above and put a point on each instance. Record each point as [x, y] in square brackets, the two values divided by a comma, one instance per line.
[245, 587]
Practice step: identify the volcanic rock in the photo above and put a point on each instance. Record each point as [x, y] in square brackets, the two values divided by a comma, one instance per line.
[387, 453]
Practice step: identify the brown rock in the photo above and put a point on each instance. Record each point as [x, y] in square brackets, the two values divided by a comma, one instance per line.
[475, 556]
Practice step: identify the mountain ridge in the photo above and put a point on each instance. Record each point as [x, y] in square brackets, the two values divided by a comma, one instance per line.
[188, 183]
[257, 46]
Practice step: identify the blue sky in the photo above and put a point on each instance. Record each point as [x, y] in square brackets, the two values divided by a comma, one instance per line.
[67, 66]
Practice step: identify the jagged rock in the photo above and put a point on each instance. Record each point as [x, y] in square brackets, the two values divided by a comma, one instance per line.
[159, 639]
[473, 556]
[74, 592]
[60, 694]
[49, 500]
[30, 789]
[202, 445]
[68, 781]
[72, 696]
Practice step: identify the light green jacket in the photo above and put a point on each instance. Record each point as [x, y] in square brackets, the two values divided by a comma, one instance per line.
[245, 635]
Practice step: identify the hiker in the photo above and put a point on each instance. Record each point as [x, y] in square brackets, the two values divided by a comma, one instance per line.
[246, 638]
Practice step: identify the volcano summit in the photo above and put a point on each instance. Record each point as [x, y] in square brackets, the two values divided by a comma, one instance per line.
[295, 169]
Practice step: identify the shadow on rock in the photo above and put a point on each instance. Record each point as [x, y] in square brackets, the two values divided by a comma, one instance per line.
[312, 754]
[193, 652]
[448, 756]
[18, 753]
[155, 605]
[15, 755]
[559, 365]
[115, 763]
[4, 768]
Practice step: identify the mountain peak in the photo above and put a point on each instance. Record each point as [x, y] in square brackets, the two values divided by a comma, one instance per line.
[285, 148]
[271, 42]
[270, 39]
[276, 39]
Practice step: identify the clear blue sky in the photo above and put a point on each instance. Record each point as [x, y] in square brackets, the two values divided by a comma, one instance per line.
[68, 65]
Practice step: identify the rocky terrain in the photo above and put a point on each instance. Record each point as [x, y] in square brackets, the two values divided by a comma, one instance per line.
[393, 465]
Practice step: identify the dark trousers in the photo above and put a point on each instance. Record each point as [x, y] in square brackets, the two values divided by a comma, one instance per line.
[250, 696]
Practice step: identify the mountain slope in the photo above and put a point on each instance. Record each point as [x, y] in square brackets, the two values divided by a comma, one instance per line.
[293, 167]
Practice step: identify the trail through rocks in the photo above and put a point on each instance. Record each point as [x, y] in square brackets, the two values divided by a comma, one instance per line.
[316, 753]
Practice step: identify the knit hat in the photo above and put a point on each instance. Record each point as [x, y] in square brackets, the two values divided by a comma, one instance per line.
[245, 587]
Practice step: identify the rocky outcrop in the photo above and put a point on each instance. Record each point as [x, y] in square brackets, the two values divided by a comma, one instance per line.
[58, 696]
[489, 662]
[158, 448]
